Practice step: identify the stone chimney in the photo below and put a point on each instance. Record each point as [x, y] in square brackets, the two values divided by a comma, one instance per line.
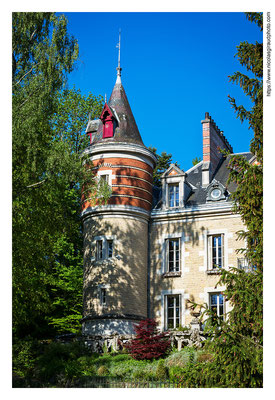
[213, 142]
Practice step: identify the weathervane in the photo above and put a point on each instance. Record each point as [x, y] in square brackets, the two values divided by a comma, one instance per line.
[118, 67]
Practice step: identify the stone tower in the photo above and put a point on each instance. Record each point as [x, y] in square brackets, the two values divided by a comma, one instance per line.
[116, 234]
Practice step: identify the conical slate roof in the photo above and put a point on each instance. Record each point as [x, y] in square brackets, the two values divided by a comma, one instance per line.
[126, 129]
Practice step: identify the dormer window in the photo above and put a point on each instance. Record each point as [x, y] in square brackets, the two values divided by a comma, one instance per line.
[107, 119]
[175, 189]
[216, 191]
[173, 195]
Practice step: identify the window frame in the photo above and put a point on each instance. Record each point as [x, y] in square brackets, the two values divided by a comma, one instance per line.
[175, 193]
[164, 240]
[103, 253]
[108, 242]
[108, 173]
[218, 305]
[175, 250]
[210, 253]
[177, 299]
[99, 251]
[102, 296]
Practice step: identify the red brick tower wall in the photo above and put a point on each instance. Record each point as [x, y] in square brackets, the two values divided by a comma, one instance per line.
[131, 182]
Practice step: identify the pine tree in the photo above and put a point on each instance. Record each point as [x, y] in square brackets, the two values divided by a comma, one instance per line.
[164, 161]
[237, 343]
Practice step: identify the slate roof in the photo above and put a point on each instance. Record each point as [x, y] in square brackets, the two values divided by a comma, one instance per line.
[198, 194]
[126, 129]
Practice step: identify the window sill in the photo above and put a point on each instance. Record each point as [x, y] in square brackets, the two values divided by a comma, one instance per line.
[213, 271]
[106, 261]
[171, 274]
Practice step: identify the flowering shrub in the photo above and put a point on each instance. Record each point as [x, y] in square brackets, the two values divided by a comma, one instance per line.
[149, 343]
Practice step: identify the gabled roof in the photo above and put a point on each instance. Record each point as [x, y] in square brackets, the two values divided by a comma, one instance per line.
[106, 109]
[173, 170]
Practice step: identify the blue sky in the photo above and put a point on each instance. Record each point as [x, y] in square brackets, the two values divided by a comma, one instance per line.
[175, 67]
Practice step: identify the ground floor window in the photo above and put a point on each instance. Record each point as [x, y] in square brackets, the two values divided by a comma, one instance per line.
[216, 305]
[172, 311]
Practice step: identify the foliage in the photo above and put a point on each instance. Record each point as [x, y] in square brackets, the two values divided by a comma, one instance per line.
[250, 56]
[196, 160]
[43, 54]
[102, 371]
[48, 137]
[55, 364]
[23, 357]
[236, 343]
[183, 328]
[205, 357]
[162, 372]
[164, 161]
[39, 364]
[149, 343]
[178, 358]
[68, 125]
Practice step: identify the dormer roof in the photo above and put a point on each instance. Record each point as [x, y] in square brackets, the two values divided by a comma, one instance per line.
[173, 170]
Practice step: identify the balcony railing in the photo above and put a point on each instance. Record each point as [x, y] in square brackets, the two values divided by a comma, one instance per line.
[244, 265]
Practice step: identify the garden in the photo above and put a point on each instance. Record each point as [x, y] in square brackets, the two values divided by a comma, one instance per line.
[55, 364]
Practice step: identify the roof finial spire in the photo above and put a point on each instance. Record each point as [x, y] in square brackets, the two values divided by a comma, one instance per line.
[118, 79]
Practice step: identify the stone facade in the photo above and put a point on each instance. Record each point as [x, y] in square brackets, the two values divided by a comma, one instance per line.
[124, 275]
[195, 281]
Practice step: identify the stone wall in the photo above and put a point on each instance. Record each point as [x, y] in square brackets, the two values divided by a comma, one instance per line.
[124, 275]
[195, 281]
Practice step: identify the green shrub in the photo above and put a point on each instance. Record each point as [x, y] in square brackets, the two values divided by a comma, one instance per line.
[205, 357]
[192, 355]
[23, 357]
[121, 357]
[138, 374]
[102, 371]
[182, 328]
[177, 359]
[175, 372]
[73, 369]
[162, 371]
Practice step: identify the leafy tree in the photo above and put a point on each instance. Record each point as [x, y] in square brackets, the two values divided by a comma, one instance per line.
[149, 343]
[43, 54]
[237, 344]
[47, 175]
[68, 124]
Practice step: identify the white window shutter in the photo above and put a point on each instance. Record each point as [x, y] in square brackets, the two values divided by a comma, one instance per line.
[209, 252]
[222, 240]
